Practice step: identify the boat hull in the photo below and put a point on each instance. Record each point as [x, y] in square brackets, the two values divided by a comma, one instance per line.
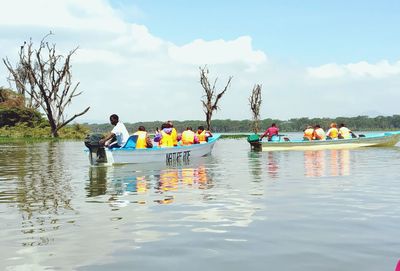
[156, 154]
[380, 140]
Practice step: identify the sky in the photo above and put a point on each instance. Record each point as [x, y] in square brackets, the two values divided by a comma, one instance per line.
[140, 59]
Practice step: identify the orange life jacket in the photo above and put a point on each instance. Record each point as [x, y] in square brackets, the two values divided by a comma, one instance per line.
[141, 141]
[187, 137]
[309, 133]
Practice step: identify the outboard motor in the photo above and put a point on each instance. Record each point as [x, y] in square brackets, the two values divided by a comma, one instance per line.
[97, 153]
[254, 141]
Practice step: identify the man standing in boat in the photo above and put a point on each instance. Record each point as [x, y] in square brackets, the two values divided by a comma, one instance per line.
[270, 132]
[118, 136]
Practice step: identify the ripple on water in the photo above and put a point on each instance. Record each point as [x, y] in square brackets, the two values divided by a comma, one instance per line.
[233, 210]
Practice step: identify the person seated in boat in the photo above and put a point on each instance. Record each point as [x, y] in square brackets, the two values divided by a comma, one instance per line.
[319, 133]
[333, 132]
[344, 132]
[273, 130]
[143, 140]
[189, 137]
[174, 133]
[118, 136]
[308, 133]
[202, 134]
[164, 137]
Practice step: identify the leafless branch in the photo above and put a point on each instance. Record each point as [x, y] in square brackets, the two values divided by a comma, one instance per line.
[44, 79]
[211, 99]
[255, 104]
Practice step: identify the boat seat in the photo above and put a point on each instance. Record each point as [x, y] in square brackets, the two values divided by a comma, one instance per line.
[131, 142]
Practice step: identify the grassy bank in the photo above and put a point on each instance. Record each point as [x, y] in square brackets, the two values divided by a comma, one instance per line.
[22, 131]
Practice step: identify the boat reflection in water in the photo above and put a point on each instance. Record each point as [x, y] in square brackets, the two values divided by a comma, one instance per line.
[327, 163]
[138, 184]
[311, 163]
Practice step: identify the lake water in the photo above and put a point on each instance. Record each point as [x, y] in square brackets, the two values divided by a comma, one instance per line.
[233, 210]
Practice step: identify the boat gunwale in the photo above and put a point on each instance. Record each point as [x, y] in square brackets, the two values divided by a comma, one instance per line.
[386, 139]
[214, 138]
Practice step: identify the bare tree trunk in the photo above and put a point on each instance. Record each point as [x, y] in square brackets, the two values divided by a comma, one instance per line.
[255, 104]
[210, 101]
[45, 80]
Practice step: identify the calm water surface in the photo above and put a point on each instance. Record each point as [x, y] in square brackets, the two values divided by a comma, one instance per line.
[234, 210]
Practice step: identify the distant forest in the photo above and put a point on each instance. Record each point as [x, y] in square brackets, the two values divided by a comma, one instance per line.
[360, 123]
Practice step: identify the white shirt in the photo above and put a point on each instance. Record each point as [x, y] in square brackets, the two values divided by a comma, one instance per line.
[345, 132]
[121, 133]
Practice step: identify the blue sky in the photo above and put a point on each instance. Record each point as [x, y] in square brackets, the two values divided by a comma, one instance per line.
[140, 59]
[310, 32]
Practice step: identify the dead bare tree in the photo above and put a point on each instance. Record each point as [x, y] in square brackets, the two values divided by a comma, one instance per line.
[44, 79]
[255, 104]
[211, 99]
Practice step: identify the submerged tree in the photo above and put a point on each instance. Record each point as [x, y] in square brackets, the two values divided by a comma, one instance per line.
[45, 81]
[210, 101]
[255, 104]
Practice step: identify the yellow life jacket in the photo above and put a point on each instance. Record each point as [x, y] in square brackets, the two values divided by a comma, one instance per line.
[202, 136]
[187, 137]
[308, 133]
[166, 140]
[333, 133]
[141, 141]
[174, 135]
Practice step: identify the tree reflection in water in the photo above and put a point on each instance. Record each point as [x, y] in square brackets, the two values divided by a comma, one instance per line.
[43, 193]
[255, 165]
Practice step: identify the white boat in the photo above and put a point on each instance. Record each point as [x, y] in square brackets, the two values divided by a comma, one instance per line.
[130, 155]
[386, 139]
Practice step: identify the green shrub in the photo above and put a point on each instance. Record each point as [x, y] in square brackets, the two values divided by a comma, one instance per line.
[11, 116]
[75, 131]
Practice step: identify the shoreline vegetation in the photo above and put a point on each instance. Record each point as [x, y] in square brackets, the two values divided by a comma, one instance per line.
[40, 130]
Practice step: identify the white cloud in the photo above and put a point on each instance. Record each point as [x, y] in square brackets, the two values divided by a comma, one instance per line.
[200, 52]
[137, 39]
[70, 14]
[363, 69]
[98, 56]
[326, 71]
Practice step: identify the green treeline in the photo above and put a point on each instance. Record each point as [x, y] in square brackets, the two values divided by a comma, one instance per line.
[360, 123]
[18, 121]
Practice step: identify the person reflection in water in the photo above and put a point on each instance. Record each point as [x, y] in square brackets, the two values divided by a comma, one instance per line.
[338, 162]
[273, 166]
[314, 163]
